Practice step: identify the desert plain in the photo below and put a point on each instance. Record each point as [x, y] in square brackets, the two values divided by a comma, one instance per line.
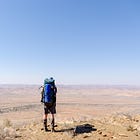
[96, 112]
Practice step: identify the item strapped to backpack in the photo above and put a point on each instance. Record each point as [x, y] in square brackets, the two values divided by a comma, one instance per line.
[49, 81]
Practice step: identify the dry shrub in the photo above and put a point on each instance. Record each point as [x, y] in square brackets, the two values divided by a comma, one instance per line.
[7, 123]
[6, 130]
[130, 128]
[1, 133]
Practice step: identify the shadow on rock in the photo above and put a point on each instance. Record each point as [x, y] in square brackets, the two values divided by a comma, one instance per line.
[79, 129]
[85, 128]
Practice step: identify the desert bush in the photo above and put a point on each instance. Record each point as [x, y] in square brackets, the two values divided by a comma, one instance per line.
[1, 133]
[7, 123]
[7, 131]
[130, 128]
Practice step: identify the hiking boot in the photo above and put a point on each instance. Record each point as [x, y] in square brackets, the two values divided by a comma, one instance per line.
[52, 126]
[46, 129]
[45, 125]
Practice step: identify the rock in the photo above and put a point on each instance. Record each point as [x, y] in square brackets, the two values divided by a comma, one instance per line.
[100, 132]
[104, 135]
[17, 129]
[113, 137]
[138, 128]
[136, 133]
[8, 138]
[86, 135]
[123, 135]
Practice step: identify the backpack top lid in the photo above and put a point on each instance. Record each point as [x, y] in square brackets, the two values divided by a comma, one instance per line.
[49, 81]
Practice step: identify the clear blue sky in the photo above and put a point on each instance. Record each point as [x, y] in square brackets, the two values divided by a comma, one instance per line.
[75, 41]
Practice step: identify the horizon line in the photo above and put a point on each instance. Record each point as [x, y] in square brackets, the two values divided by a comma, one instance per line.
[21, 84]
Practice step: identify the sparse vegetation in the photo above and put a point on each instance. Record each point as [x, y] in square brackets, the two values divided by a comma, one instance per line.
[112, 120]
[7, 132]
[130, 128]
[7, 123]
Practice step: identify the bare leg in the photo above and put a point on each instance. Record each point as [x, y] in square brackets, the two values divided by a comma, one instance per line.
[45, 116]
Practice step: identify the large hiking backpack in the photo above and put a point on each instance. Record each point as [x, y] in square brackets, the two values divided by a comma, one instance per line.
[48, 93]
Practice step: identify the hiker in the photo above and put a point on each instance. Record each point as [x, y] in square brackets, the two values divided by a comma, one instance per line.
[48, 92]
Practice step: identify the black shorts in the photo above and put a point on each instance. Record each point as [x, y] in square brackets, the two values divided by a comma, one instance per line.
[50, 108]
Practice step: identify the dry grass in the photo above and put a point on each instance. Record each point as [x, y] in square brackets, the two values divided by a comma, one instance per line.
[130, 128]
[7, 131]
[7, 123]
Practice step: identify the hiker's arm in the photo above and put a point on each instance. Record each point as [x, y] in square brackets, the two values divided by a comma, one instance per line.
[55, 89]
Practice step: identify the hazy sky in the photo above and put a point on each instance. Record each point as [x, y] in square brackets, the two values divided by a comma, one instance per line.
[75, 41]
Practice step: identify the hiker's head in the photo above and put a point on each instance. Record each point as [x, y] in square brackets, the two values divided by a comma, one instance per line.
[51, 78]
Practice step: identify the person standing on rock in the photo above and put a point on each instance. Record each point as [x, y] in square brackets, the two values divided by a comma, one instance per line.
[49, 91]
